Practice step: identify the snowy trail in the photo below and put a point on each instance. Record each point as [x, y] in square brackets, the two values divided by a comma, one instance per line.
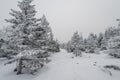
[64, 67]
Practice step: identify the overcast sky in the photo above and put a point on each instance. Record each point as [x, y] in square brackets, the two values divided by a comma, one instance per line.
[68, 16]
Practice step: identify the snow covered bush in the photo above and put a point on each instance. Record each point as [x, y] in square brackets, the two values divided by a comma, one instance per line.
[4, 51]
[68, 47]
[53, 46]
[114, 67]
[31, 60]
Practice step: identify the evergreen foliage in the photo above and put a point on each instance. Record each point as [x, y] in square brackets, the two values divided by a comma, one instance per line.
[29, 38]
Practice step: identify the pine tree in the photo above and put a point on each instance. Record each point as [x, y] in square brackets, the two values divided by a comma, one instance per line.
[51, 44]
[99, 40]
[40, 34]
[82, 44]
[29, 36]
[104, 43]
[22, 22]
[75, 44]
[91, 43]
[75, 41]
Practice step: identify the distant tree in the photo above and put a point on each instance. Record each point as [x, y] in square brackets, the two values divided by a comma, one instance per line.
[62, 45]
[76, 44]
[85, 43]
[82, 44]
[91, 43]
[110, 32]
[104, 43]
[68, 47]
[75, 40]
[99, 40]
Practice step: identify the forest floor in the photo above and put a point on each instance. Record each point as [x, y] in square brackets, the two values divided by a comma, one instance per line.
[64, 66]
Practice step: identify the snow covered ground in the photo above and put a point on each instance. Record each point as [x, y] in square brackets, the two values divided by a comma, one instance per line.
[64, 66]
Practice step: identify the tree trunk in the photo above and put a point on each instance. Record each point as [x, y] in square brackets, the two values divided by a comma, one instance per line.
[19, 67]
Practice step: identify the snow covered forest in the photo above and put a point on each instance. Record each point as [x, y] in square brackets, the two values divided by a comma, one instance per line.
[29, 50]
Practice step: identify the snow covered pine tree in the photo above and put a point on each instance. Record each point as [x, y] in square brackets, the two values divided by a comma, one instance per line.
[21, 25]
[76, 44]
[91, 43]
[29, 38]
[52, 45]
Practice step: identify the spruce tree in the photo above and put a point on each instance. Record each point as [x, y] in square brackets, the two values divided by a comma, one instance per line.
[29, 37]
[51, 44]
[91, 43]
[82, 44]
[22, 22]
[75, 44]
[75, 41]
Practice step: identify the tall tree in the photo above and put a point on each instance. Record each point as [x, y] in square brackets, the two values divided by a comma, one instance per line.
[49, 42]
[91, 43]
[29, 36]
[76, 44]
[22, 22]
[75, 40]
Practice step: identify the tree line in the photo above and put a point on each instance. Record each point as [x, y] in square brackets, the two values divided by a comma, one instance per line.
[95, 42]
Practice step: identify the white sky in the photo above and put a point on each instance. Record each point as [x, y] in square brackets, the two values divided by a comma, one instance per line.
[68, 16]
